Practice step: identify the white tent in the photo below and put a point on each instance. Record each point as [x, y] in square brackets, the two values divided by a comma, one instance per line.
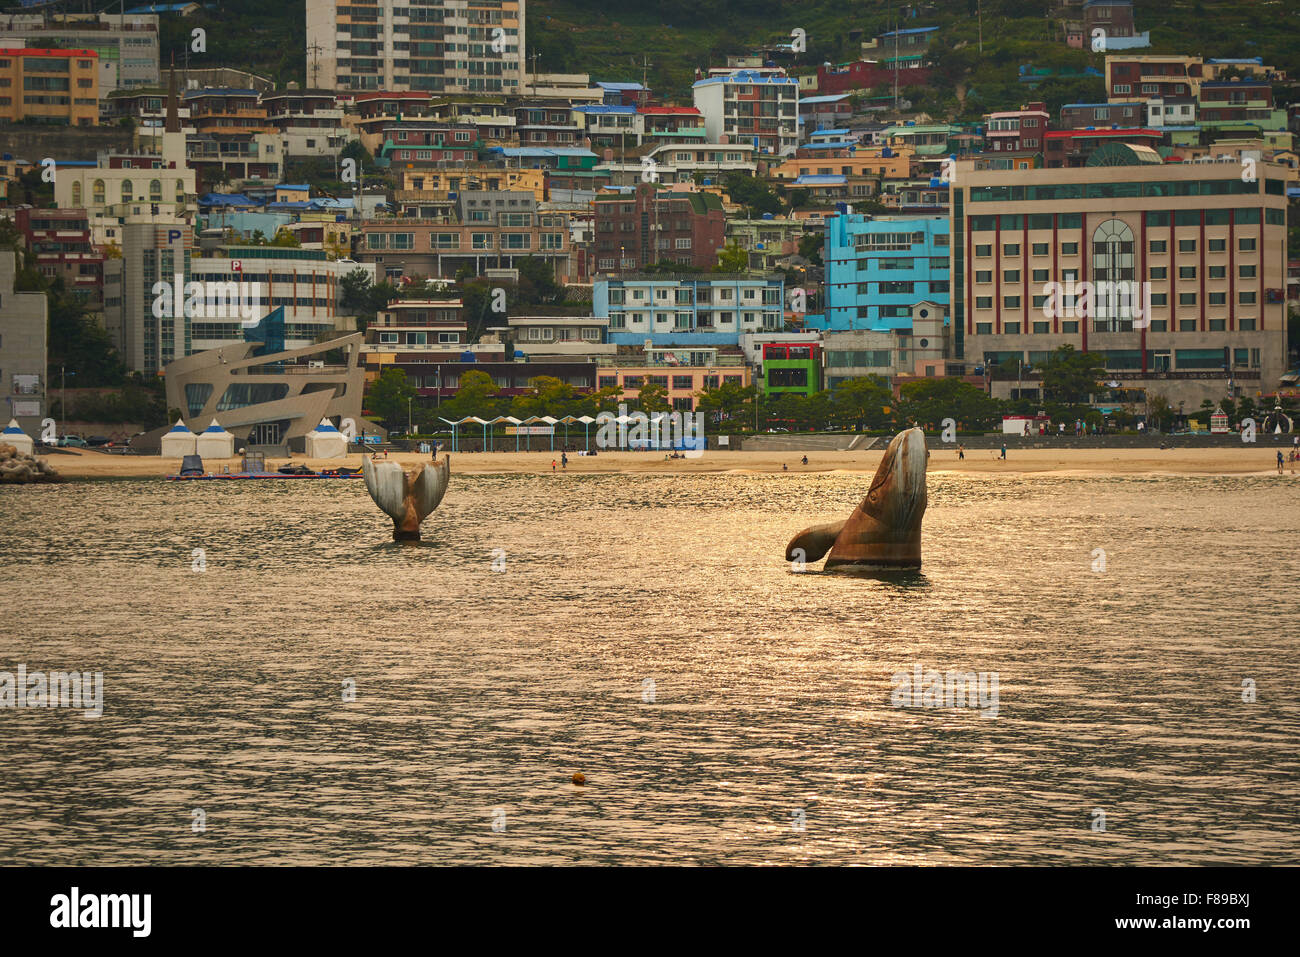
[326, 442]
[178, 441]
[12, 435]
[214, 442]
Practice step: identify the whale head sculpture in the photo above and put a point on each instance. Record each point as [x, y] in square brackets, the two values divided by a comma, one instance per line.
[884, 531]
[406, 497]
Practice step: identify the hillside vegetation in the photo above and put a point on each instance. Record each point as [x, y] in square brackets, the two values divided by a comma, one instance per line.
[665, 41]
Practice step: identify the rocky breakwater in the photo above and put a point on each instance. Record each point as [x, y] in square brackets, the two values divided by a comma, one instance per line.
[17, 468]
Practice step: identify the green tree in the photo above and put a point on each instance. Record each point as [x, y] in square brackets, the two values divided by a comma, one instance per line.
[726, 405]
[388, 396]
[1070, 377]
[863, 401]
[537, 283]
[927, 402]
[358, 295]
[475, 396]
[810, 247]
[732, 258]
[1159, 410]
[755, 194]
[549, 396]
[652, 399]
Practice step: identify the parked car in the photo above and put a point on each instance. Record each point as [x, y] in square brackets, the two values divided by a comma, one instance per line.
[75, 441]
[95, 441]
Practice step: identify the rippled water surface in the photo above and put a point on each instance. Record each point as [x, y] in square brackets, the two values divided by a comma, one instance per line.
[479, 692]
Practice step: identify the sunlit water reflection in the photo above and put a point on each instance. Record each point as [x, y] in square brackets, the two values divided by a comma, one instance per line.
[479, 690]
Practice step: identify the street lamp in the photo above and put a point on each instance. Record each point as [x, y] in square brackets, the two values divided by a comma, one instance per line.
[63, 401]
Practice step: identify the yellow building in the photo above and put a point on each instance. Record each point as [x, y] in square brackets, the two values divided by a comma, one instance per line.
[864, 161]
[433, 185]
[60, 87]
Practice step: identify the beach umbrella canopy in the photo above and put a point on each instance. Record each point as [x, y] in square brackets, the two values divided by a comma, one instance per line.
[13, 435]
[214, 442]
[178, 441]
[326, 442]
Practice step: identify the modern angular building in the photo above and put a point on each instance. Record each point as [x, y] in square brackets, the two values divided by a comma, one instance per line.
[264, 394]
[1209, 244]
[444, 46]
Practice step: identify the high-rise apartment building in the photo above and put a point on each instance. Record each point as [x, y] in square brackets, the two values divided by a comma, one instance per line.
[444, 46]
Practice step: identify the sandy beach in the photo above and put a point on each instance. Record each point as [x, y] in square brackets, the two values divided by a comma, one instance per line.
[1247, 460]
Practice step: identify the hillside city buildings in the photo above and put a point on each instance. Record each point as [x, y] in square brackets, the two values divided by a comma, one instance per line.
[423, 148]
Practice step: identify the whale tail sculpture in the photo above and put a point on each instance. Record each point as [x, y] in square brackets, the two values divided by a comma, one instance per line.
[406, 497]
[884, 531]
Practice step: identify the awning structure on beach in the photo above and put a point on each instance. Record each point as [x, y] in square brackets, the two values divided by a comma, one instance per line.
[544, 420]
[455, 429]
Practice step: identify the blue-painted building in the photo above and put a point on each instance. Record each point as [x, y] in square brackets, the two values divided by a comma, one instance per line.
[878, 268]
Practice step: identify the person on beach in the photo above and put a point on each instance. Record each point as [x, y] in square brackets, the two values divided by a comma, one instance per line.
[805, 460]
[961, 452]
[1004, 450]
[564, 460]
[784, 467]
[1279, 461]
[552, 465]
